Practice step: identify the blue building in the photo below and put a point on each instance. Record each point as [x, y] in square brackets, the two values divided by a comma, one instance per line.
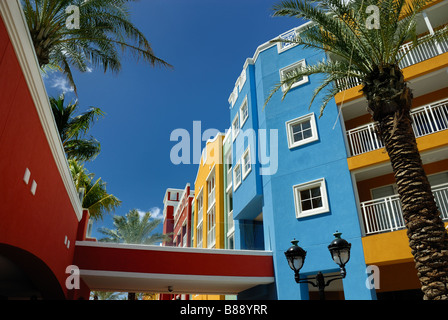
[290, 176]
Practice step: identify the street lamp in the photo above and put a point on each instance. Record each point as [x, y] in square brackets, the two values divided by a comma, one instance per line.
[340, 253]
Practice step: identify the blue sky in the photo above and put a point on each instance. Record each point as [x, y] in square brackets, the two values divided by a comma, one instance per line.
[207, 42]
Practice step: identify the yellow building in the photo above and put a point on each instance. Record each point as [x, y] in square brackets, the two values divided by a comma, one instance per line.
[385, 240]
[208, 222]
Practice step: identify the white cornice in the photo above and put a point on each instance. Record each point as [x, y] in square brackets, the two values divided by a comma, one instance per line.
[12, 14]
[265, 46]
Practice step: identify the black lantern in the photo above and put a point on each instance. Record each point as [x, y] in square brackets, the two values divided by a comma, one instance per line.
[296, 257]
[340, 253]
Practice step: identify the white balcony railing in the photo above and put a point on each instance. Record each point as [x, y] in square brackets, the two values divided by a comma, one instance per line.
[211, 237]
[425, 120]
[184, 240]
[229, 178]
[424, 52]
[230, 222]
[385, 215]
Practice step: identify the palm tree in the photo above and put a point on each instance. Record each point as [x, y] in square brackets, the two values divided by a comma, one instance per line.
[103, 295]
[135, 229]
[339, 27]
[104, 29]
[72, 128]
[95, 196]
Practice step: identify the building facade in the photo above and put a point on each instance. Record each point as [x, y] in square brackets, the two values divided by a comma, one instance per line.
[291, 177]
[384, 238]
[332, 173]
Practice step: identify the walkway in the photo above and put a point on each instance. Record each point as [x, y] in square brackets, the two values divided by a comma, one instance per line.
[144, 268]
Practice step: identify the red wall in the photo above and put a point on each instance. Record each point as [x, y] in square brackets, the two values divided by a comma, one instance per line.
[36, 223]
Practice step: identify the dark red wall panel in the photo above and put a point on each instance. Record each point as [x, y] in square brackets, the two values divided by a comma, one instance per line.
[36, 223]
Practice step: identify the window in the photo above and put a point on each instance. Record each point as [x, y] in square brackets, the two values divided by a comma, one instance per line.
[244, 112]
[235, 127]
[199, 235]
[199, 202]
[290, 71]
[229, 207]
[246, 163]
[211, 189]
[237, 175]
[229, 171]
[438, 178]
[311, 198]
[211, 222]
[231, 241]
[301, 130]
[384, 191]
[289, 35]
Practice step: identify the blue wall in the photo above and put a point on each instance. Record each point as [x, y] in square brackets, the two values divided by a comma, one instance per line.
[325, 158]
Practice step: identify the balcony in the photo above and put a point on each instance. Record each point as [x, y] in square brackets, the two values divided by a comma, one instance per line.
[426, 51]
[230, 223]
[385, 215]
[426, 120]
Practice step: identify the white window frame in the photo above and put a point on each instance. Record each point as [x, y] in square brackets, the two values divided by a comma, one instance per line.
[200, 201]
[245, 171]
[242, 117]
[211, 227]
[236, 130]
[229, 171]
[306, 186]
[289, 132]
[237, 183]
[286, 69]
[289, 35]
[199, 235]
[211, 186]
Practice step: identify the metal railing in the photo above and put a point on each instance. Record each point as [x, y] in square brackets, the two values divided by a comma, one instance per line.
[385, 214]
[425, 120]
[424, 52]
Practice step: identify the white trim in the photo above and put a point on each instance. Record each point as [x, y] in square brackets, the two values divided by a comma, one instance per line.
[243, 120]
[210, 175]
[189, 277]
[284, 70]
[235, 132]
[289, 133]
[281, 49]
[236, 183]
[243, 164]
[306, 186]
[171, 249]
[266, 46]
[176, 278]
[15, 22]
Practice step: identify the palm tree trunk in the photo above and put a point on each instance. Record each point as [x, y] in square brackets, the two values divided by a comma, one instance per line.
[131, 296]
[428, 238]
[389, 101]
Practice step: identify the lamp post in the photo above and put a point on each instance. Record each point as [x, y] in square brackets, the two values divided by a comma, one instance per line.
[340, 253]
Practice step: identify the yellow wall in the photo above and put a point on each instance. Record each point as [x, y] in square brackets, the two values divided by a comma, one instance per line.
[214, 162]
[425, 143]
[411, 72]
[416, 102]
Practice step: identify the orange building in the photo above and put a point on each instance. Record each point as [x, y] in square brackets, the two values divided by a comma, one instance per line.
[385, 241]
